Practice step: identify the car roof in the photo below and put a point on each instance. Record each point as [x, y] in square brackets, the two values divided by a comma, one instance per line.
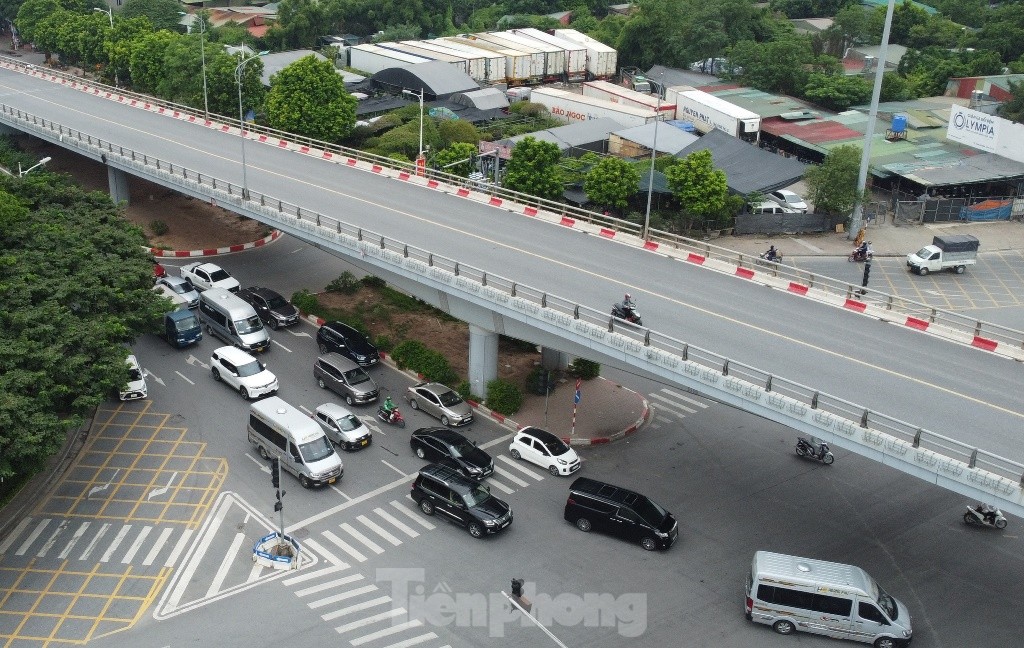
[435, 387]
[538, 433]
[442, 433]
[233, 354]
[262, 292]
[338, 361]
[605, 490]
[209, 266]
[333, 410]
[172, 279]
[338, 325]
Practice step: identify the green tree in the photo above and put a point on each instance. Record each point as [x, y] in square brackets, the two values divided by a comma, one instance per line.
[533, 169]
[612, 182]
[147, 61]
[222, 88]
[164, 14]
[309, 98]
[299, 24]
[699, 187]
[119, 45]
[32, 12]
[777, 66]
[411, 31]
[451, 131]
[456, 159]
[837, 91]
[833, 184]
[1014, 108]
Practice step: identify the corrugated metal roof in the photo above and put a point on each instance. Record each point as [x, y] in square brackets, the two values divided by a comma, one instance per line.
[667, 139]
[578, 134]
[747, 168]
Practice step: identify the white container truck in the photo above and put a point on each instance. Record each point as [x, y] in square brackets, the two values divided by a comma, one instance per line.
[492, 64]
[602, 60]
[708, 112]
[460, 64]
[950, 252]
[519, 66]
[372, 58]
[476, 66]
[575, 54]
[537, 57]
[620, 95]
[571, 108]
[554, 57]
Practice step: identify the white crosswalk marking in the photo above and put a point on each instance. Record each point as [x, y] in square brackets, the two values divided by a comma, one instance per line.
[376, 528]
[82, 528]
[398, 524]
[178, 548]
[53, 538]
[32, 537]
[358, 607]
[137, 545]
[509, 476]
[116, 543]
[9, 540]
[418, 519]
[255, 573]
[502, 487]
[415, 640]
[95, 540]
[672, 405]
[344, 546]
[329, 585]
[521, 468]
[370, 620]
[160, 542]
[336, 562]
[341, 597]
[312, 575]
[355, 533]
[386, 631]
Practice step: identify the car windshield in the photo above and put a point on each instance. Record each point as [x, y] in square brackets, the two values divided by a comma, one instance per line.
[249, 369]
[450, 398]
[316, 450]
[888, 604]
[461, 448]
[651, 513]
[219, 275]
[180, 288]
[186, 324]
[556, 447]
[249, 325]
[348, 423]
[134, 375]
[924, 253]
[277, 301]
[356, 376]
[478, 495]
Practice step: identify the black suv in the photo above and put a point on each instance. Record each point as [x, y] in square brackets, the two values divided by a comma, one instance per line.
[624, 513]
[452, 449]
[463, 501]
[273, 309]
[339, 337]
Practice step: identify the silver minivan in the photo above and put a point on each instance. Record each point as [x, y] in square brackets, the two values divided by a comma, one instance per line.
[232, 320]
[280, 431]
[344, 377]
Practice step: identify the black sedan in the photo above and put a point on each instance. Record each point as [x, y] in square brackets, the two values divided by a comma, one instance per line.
[448, 447]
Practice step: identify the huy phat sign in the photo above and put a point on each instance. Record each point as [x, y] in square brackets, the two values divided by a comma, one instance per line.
[986, 132]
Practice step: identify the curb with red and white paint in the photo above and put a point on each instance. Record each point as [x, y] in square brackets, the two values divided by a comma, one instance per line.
[179, 254]
[507, 422]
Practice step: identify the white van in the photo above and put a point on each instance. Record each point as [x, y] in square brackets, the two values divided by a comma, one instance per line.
[280, 431]
[818, 597]
[228, 317]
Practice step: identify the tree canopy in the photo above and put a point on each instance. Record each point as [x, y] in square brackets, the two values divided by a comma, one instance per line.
[833, 184]
[612, 182]
[309, 98]
[700, 188]
[533, 168]
[164, 14]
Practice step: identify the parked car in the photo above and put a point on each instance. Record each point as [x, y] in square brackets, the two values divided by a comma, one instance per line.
[182, 288]
[273, 309]
[440, 402]
[204, 276]
[338, 337]
[344, 377]
[159, 270]
[789, 200]
[770, 207]
[242, 372]
[440, 489]
[342, 427]
[136, 387]
[450, 448]
[624, 513]
[544, 449]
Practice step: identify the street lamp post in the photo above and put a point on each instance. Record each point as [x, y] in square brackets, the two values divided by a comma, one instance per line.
[110, 15]
[202, 54]
[421, 159]
[650, 180]
[239, 71]
[21, 174]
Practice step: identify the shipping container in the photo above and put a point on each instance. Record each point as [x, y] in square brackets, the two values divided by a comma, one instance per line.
[708, 112]
[602, 60]
[554, 57]
[575, 54]
[571, 107]
[476, 67]
[458, 63]
[490, 66]
[372, 58]
[520, 67]
[617, 94]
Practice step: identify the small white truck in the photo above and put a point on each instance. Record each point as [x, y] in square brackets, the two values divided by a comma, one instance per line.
[951, 252]
[204, 276]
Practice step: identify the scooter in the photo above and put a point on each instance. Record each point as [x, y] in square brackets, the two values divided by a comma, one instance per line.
[394, 419]
[776, 259]
[859, 256]
[814, 448]
[976, 515]
[631, 315]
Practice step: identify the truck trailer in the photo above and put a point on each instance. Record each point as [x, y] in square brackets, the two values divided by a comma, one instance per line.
[554, 57]
[708, 113]
[575, 54]
[947, 252]
[520, 67]
[493, 64]
[571, 108]
[620, 95]
[602, 60]
[373, 58]
[460, 63]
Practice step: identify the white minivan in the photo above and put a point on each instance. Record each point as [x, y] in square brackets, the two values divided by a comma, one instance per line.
[232, 320]
[839, 601]
[281, 431]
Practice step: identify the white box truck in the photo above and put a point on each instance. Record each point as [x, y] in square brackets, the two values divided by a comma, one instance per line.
[602, 60]
[476, 66]
[459, 63]
[537, 57]
[571, 108]
[492, 64]
[575, 54]
[949, 252]
[554, 57]
[708, 113]
[372, 58]
[519, 66]
[620, 95]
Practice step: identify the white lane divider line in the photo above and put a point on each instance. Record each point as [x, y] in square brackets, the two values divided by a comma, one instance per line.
[225, 565]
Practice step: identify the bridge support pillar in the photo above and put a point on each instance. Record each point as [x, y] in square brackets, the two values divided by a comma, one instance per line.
[118, 181]
[483, 359]
[553, 359]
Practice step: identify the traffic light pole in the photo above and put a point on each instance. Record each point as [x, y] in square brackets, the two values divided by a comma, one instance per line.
[521, 603]
[275, 480]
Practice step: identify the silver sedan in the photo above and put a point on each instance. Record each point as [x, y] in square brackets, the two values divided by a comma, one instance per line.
[440, 402]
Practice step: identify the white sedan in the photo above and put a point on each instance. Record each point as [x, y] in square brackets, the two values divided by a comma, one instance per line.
[789, 200]
[136, 387]
[544, 449]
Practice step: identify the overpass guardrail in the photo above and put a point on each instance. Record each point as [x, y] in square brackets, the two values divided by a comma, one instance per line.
[934, 452]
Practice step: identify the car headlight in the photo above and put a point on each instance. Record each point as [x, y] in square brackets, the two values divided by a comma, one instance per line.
[906, 633]
[563, 462]
[660, 534]
[475, 470]
[489, 523]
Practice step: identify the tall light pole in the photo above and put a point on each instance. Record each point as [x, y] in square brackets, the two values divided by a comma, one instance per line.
[21, 174]
[110, 15]
[646, 234]
[421, 160]
[202, 54]
[239, 71]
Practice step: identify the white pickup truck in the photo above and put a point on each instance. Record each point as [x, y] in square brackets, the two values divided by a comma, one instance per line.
[952, 252]
[204, 276]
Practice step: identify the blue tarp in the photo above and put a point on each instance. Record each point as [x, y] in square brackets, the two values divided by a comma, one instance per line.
[990, 210]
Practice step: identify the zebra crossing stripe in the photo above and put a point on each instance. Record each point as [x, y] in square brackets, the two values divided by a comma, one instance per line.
[73, 541]
[386, 631]
[302, 578]
[509, 476]
[692, 401]
[178, 548]
[523, 469]
[415, 640]
[9, 540]
[358, 607]
[355, 533]
[337, 564]
[53, 538]
[351, 578]
[160, 542]
[32, 537]
[502, 487]
[118, 539]
[370, 620]
[137, 545]
[673, 405]
[255, 572]
[341, 597]
[92, 545]
[404, 510]
[344, 546]
[401, 526]
[376, 528]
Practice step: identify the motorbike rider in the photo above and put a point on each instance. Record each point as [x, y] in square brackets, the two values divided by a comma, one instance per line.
[862, 251]
[772, 254]
[389, 408]
[628, 305]
[988, 512]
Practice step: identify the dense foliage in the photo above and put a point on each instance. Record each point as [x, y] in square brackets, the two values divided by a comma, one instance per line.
[833, 184]
[309, 98]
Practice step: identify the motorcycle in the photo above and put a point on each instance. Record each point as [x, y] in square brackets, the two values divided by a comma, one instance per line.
[814, 448]
[859, 256]
[395, 418]
[776, 259]
[985, 515]
[631, 315]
